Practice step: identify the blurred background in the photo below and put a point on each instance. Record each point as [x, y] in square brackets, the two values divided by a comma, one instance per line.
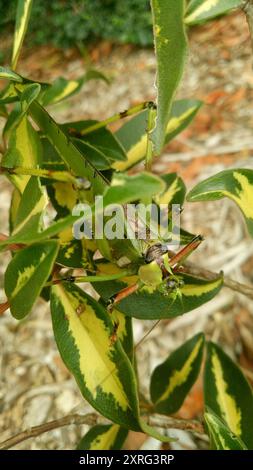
[66, 38]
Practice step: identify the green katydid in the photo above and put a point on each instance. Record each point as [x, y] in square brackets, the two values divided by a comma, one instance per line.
[162, 270]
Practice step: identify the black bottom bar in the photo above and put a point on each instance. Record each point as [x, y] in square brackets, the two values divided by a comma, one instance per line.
[108, 459]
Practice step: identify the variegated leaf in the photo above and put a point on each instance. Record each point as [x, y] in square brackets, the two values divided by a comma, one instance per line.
[133, 135]
[102, 139]
[29, 237]
[83, 331]
[125, 189]
[9, 93]
[8, 74]
[124, 332]
[66, 149]
[154, 302]
[228, 394]
[236, 184]
[204, 10]
[103, 437]
[63, 197]
[62, 89]
[94, 155]
[221, 438]
[172, 380]
[24, 150]
[170, 47]
[22, 18]
[3, 110]
[174, 192]
[72, 252]
[26, 275]
[30, 93]
[30, 209]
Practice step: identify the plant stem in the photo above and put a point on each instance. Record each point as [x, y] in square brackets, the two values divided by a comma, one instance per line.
[4, 307]
[80, 279]
[164, 422]
[150, 127]
[89, 419]
[63, 176]
[116, 117]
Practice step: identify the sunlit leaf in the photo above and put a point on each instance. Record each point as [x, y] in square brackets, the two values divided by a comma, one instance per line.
[30, 209]
[8, 74]
[83, 330]
[228, 394]
[174, 192]
[27, 237]
[126, 188]
[172, 380]
[235, 184]
[62, 88]
[22, 18]
[26, 275]
[103, 437]
[24, 150]
[220, 435]
[204, 10]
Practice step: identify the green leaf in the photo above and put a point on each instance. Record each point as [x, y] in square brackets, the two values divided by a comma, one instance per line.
[126, 188]
[9, 94]
[26, 275]
[66, 149]
[170, 46]
[62, 89]
[94, 155]
[27, 237]
[204, 10]
[228, 394]
[71, 253]
[133, 135]
[174, 192]
[102, 139]
[63, 197]
[24, 150]
[235, 184]
[124, 332]
[220, 435]
[22, 18]
[31, 207]
[151, 303]
[3, 111]
[8, 74]
[103, 437]
[172, 380]
[83, 331]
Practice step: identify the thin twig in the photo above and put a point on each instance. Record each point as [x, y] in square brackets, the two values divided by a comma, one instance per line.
[89, 419]
[163, 422]
[4, 307]
[192, 154]
[167, 422]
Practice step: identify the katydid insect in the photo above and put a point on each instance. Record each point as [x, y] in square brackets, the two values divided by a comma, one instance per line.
[116, 117]
[162, 270]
